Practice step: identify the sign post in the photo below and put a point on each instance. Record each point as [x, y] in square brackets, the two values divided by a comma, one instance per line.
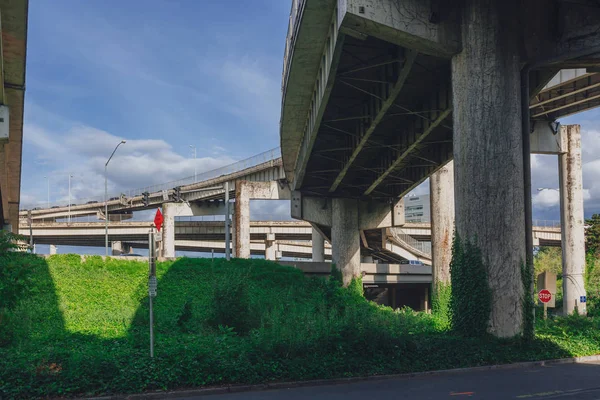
[152, 283]
[546, 283]
[545, 296]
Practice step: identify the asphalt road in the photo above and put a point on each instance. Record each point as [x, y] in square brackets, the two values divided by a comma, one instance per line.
[566, 381]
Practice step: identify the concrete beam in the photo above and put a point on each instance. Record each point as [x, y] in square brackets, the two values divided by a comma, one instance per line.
[244, 192]
[428, 26]
[572, 221]
[379, 109]
[547, 138]
[430, 126]
[371, 214]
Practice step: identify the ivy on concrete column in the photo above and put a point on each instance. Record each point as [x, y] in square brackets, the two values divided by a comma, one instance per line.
[528, 301]
[471, 297]
[440, 302]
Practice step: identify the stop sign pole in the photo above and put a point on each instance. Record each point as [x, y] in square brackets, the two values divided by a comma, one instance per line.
[545, 296]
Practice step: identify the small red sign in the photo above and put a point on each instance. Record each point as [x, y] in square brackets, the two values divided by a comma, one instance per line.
[158, 219]
[545, 296]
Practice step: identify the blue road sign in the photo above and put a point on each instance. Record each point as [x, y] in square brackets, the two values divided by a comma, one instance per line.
[582, 299]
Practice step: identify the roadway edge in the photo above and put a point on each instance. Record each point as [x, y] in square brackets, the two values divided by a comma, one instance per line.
[323, 382]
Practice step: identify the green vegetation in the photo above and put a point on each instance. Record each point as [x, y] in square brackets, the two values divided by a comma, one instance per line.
[81, 328]
[528, 301]
[471, 299]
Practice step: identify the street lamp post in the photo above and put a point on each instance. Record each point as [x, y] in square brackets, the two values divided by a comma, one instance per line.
[194, 148]
[69, 218]
[106, 196]
[48, 179]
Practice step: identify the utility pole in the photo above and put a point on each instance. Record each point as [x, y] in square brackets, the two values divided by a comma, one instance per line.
[69, 218]
[48, 179]
[193, 147]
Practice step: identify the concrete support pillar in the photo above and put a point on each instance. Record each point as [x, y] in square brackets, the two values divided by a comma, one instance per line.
[117, 248]
[488, 153]
[233, 234]
[127, 248]
[270, 248]
[242, 220]
[572, 221]
[318, 246]
[345, 238]
[368, 259]
[52, 249]
[169, 211]
[441, 189]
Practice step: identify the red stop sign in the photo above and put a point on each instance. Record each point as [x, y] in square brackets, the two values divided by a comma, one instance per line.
[545, 296]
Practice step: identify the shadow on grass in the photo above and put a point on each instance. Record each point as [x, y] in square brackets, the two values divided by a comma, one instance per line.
[82, 328]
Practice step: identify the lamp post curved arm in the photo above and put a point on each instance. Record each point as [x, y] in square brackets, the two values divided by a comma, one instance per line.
[106, 196]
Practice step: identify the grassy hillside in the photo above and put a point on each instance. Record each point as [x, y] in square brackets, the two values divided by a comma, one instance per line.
[82, 328]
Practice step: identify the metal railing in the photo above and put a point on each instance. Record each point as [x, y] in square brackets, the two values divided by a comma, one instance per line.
[408, 241]
[290, 41]
[540, 223]
[250, 162]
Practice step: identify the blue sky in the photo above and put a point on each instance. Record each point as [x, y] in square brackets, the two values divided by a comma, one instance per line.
[165, 74]
[161, 74]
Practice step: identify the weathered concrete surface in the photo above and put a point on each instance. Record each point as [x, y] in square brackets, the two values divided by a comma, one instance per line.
[12, 93]
[306, 48]
[544, 138]
[406, 23]
[345, 238]
[572, 221]
[318, 246]
[169, 211]
[270, 248]
[116, 248]
[441, 189]
[488, 155]
[371, 214]
[244, 192]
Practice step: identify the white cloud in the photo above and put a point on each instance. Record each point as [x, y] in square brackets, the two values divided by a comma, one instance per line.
[546, 199]
[82, 151]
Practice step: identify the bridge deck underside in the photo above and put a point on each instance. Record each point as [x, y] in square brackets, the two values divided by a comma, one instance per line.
[566, 98]
[387, 124]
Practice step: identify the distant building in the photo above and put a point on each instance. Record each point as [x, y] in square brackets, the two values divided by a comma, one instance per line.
[416, 208]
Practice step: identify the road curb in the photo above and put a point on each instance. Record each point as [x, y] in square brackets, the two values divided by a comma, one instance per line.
[323, 382]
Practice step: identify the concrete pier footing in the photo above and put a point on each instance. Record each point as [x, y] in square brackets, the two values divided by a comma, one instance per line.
[345, 238]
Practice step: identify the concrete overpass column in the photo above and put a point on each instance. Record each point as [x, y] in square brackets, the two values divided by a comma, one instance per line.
[318, 246]
[242, 220]
[572, 221]
[345, 238]
[52, 249]
[117, 248]
[441, 189]
[168, 235]
[270, 248]
[488, 153]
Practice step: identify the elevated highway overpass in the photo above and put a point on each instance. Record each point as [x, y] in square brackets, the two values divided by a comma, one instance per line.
[13, 48]
[378, 96]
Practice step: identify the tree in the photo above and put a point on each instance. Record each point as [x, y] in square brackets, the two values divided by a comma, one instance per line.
[548, 259]
[592, 235]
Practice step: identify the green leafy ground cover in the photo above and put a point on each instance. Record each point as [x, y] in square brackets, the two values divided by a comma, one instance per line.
[81, 328]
